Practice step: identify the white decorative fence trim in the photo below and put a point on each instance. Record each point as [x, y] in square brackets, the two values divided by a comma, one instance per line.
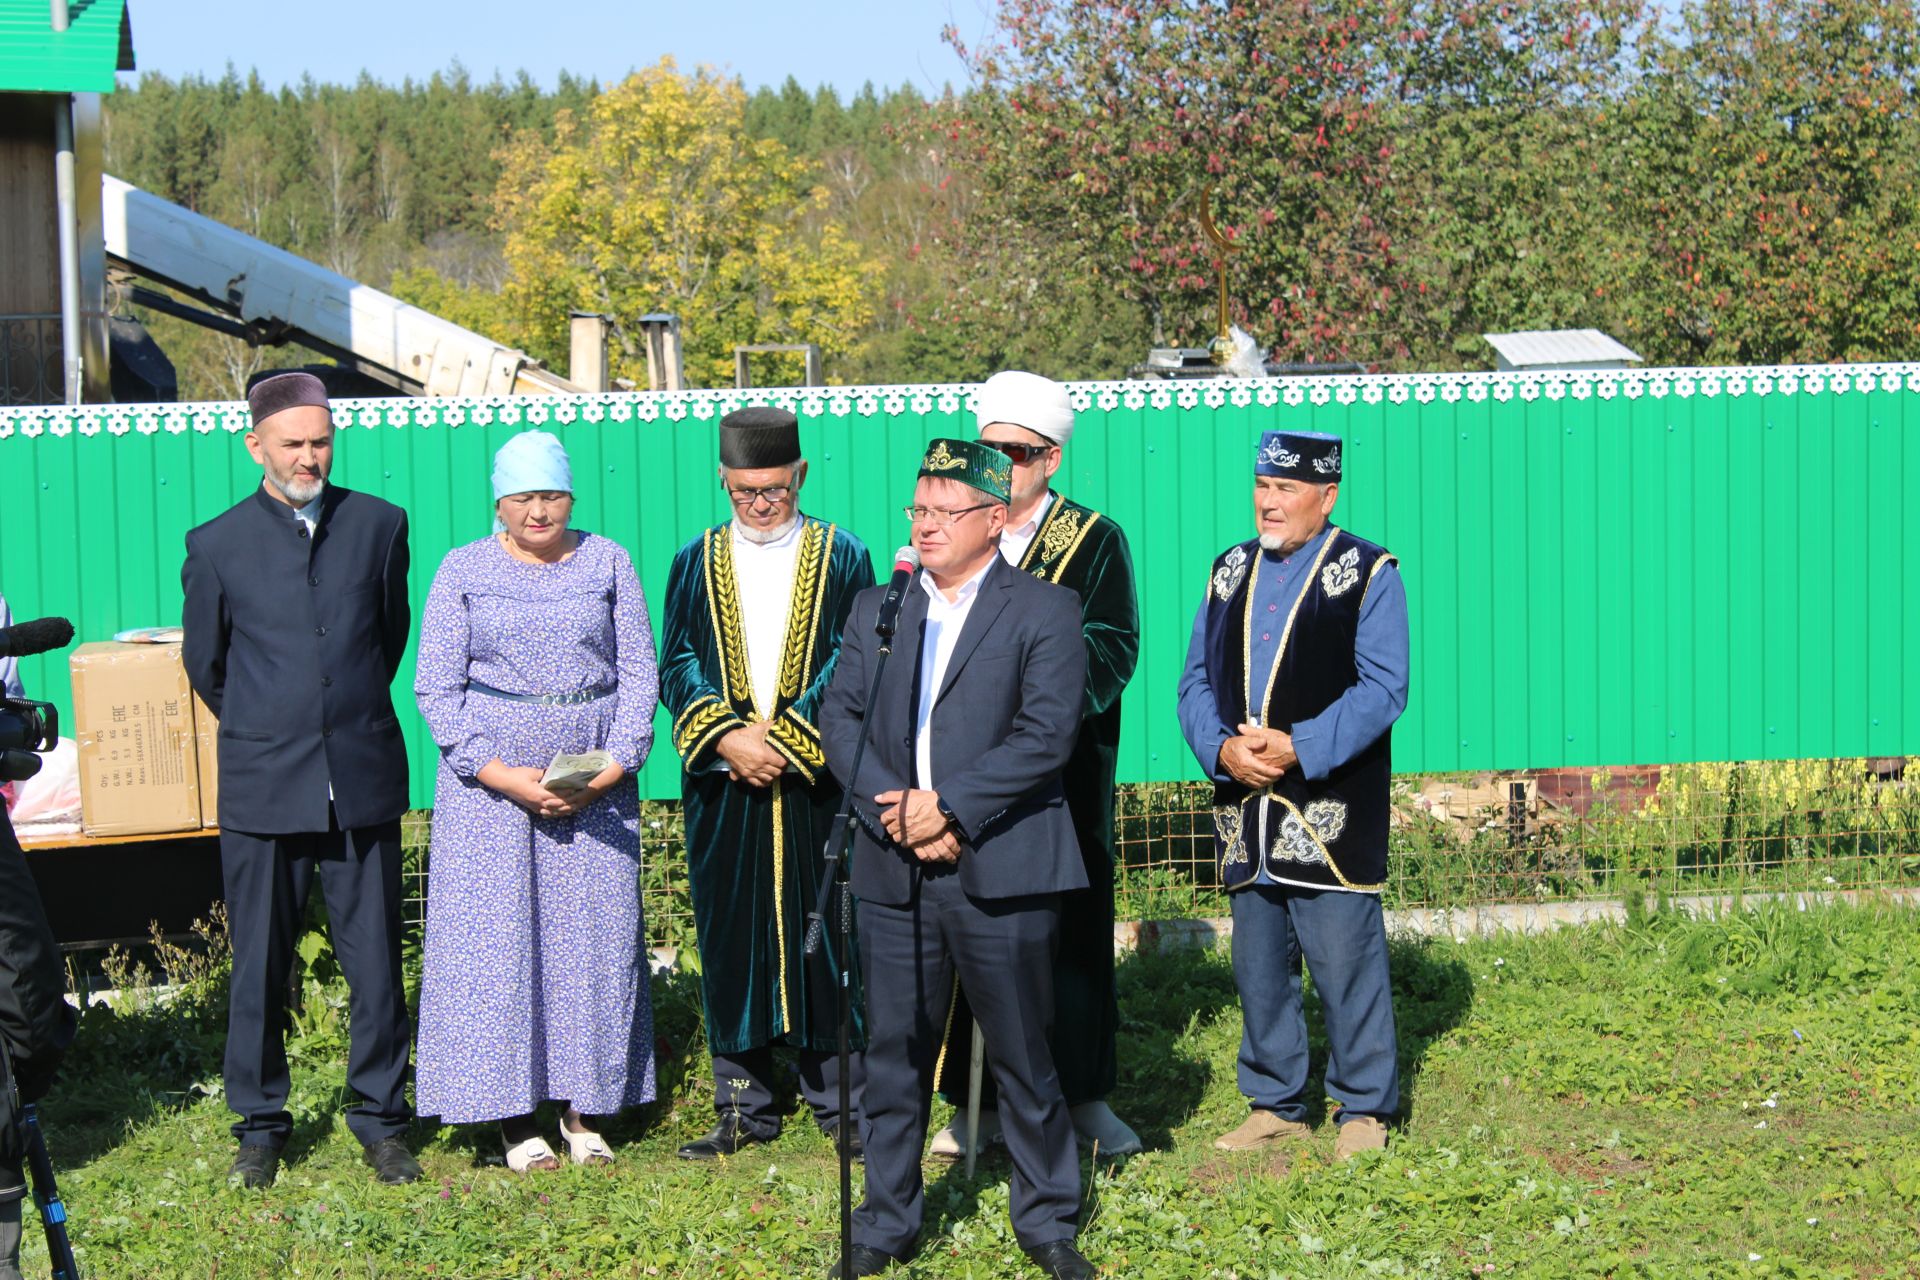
[1400, 389]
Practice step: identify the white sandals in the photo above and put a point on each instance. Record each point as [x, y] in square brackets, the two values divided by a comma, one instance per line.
[585, 1148]
[528, 1155]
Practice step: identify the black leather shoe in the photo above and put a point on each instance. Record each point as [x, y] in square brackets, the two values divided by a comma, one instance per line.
[731, 1134]
[1061, 1260]
[867, 1261]
[254, 1167]
[392, 1163]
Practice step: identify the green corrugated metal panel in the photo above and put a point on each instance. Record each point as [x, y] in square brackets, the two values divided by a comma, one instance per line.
[1602, 568]
[34, 58]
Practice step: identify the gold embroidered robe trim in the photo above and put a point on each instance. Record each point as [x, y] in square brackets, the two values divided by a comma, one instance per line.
[1059, 536]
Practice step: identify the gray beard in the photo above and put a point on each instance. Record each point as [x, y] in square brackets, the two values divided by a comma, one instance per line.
[298, 492]
[760, 537]
[1272, 542]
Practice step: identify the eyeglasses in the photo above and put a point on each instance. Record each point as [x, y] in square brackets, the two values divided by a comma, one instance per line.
[1020, 453]
[774, 495]
[941, 517]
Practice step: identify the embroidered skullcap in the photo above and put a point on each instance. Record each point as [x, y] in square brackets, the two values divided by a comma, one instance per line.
[284, 391]
[531, 462]
[1312, 456]
[971, 463]
[1025, 400]
[759, 436]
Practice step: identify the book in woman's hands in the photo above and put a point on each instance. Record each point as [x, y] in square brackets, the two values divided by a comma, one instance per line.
[568, 774]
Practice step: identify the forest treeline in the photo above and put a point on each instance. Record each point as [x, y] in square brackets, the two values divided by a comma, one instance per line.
[1717, 181]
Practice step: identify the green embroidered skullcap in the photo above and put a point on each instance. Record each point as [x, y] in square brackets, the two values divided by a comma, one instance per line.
[971, 463]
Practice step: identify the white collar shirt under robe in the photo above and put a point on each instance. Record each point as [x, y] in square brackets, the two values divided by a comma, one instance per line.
[945, 620]
[764, 573]
[1014, 542]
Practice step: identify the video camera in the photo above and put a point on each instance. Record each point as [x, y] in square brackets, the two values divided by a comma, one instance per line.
[26, 726]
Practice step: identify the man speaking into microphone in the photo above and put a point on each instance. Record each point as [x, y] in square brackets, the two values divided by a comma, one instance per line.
[963, 846]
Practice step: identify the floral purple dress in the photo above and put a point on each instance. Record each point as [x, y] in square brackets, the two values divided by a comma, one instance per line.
[535, 982]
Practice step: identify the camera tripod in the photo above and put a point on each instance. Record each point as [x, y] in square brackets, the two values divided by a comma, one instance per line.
[46, 1195]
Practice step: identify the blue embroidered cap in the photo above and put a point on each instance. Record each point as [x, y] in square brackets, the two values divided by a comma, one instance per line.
[1312, 456]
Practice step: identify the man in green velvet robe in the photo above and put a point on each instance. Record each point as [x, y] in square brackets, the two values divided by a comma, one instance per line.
[1030, 419]
[754, 612]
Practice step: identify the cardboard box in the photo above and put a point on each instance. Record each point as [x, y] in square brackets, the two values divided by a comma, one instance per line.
[133, 720]
[206, 731]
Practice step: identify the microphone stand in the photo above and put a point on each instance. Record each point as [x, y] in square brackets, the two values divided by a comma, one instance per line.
[839, 850]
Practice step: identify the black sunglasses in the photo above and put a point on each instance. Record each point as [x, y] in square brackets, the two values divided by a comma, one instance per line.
[1021, 453]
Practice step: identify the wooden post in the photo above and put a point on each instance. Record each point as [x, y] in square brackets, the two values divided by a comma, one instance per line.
[587, 356]
[664, 369]
[808, 351]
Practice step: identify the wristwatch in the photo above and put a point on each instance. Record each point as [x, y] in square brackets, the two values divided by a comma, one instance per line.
[946, 811]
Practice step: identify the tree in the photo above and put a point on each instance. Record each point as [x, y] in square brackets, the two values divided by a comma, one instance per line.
[1774, 160]
[1098, 125]
[654, 198]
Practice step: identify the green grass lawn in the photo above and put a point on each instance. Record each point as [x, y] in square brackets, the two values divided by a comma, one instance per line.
[1728, 1097]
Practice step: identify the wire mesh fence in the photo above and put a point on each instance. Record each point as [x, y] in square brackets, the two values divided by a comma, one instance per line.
[1461, 840]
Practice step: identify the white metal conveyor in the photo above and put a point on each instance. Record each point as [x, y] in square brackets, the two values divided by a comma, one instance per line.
[277, 296]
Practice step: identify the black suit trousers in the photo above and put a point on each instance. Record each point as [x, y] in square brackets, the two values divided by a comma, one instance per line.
[1002, 949]
[267, 879]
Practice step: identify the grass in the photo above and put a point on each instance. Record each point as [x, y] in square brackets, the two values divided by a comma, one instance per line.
[1729, 1096]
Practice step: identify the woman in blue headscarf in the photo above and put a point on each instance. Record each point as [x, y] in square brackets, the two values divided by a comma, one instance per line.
[534, 643]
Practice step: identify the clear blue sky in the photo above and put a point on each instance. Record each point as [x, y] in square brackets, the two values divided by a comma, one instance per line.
[763, 42]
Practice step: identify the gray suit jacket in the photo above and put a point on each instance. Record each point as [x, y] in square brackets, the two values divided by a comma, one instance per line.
[1003, 727]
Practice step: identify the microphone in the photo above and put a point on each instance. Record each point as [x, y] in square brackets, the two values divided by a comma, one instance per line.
[905, 561]
[25, 639]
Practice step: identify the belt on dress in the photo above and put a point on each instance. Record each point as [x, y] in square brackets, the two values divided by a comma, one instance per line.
[543, 699]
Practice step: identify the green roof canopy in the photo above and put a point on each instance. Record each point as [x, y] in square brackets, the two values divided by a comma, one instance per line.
[34, 58]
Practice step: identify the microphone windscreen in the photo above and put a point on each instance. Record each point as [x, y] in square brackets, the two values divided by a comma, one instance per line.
[24, 639]
[906, 558]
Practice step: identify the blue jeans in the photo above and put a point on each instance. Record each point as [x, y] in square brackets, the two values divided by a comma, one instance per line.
[1344, 940]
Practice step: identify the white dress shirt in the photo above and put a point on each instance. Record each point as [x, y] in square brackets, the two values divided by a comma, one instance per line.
[1014, 542]
[945, 619]
[764, 573]
[310, 514]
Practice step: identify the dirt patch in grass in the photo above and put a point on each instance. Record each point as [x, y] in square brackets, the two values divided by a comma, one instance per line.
[1226, 1169]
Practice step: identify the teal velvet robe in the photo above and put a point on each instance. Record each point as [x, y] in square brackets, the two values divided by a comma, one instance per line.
[1078, 547]
[756, 856]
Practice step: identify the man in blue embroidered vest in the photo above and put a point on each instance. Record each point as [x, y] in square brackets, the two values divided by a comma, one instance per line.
[754, 612]
[1295, 674]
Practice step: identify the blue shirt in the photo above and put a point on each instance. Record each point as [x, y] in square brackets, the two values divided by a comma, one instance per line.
[1357, 717]
[10, 686]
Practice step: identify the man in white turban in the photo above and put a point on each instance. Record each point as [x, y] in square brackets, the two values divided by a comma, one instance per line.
[1030, 419]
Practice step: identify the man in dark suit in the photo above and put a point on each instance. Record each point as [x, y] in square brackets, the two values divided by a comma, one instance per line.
[296, 618]
[963, 847]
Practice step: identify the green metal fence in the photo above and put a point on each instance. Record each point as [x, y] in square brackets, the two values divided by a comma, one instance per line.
[1602, 567]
